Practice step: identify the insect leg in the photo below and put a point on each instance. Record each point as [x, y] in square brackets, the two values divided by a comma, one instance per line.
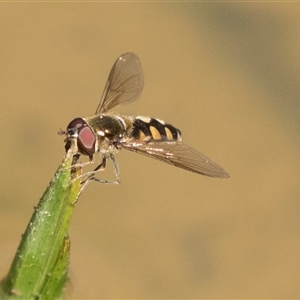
[88, 175]
[116, 169]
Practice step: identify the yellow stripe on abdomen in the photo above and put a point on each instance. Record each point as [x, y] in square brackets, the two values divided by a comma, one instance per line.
[155, 133]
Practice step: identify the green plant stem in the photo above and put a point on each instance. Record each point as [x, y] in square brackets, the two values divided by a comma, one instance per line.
[39, 269]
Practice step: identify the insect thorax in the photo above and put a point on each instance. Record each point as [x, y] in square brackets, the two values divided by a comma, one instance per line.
[111, 127]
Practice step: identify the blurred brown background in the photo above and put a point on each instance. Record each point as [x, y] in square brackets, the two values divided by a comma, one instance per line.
[227, 75]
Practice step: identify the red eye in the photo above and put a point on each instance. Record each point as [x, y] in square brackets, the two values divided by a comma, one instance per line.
[86, 137]
[86, 141]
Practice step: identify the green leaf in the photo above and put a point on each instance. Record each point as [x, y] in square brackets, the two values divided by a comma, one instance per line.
[39, 268]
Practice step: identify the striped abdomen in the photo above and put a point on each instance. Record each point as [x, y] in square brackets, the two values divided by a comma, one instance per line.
[149, 129]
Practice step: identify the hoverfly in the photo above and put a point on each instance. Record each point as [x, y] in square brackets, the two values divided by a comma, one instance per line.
[105, 132]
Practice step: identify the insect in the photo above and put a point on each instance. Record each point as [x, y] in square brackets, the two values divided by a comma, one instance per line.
[104, 133]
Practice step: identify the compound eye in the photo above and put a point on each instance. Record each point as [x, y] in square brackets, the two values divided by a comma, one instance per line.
[74, 126]
[86, 141]
[76, 123]
[86, 137]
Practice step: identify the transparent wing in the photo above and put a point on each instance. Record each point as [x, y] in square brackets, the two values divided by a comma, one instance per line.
[180, 155]
[124, 84]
